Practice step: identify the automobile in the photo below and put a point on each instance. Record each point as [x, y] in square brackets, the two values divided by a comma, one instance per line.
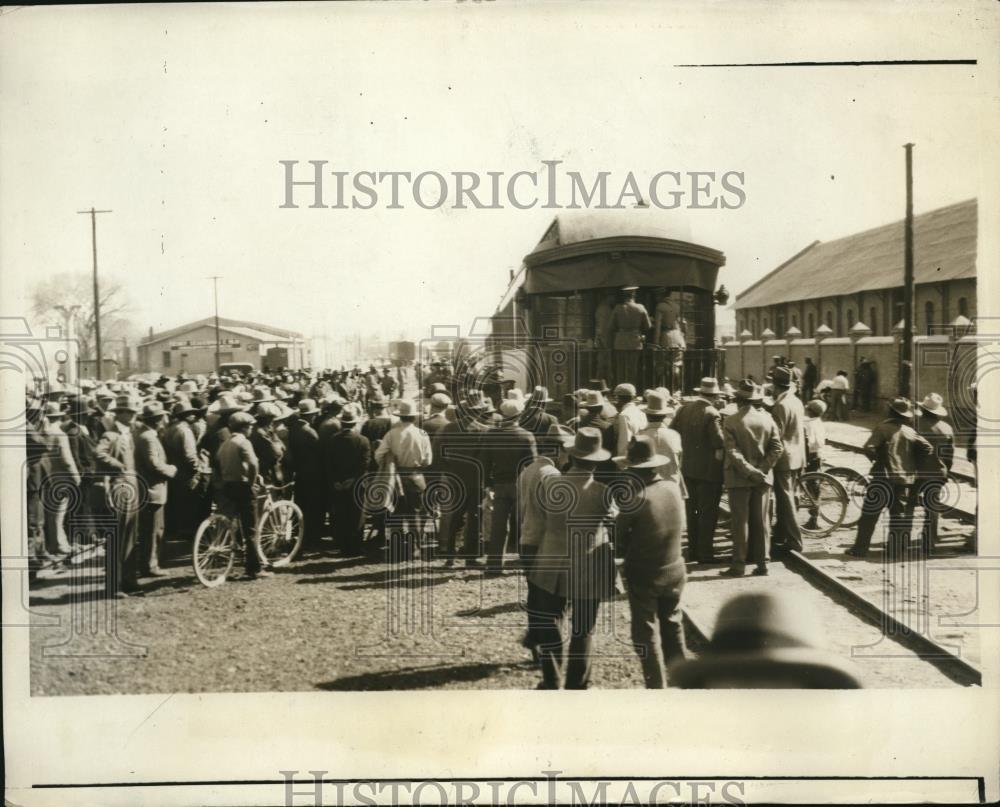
[237, 367]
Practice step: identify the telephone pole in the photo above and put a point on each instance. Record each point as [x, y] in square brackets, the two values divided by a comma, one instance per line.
[215, 290]
[906, 348]
[97, 299]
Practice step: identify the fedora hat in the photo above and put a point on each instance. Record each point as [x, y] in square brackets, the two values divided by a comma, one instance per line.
[284, 412]
[261, 395]
[225, 403]
[593, 400]
[557, 433]
[587, 445]
[934, 404]
[901, 407]
[406, 409]
[308, 406]
[642, 454]
[625, 391]
[746, 390]
[782, 376]
[515, 394]
[709, 386]
[511, 408]
[439, 399]
[126, 403]
[599, 384]
[266, 409]
[766, 638]
[152, 410]
[437, 387]
[183, 408]
[656, 403]
[539, 395]
[347, 416]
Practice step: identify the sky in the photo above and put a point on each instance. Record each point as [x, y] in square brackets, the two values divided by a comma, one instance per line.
[176, 118]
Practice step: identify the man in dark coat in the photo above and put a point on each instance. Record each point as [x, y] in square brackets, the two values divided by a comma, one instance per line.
[535, 419]
[700, 426]
[347, 457]
[810, 378]
[506, 450]
[187, 503]
[305, 460]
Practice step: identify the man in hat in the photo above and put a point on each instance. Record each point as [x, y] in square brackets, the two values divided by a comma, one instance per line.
[435, 420]
[35, 449]
[629, 420]
[532, 512]
[267, 444]
[593, 404]
[153, 469]
[348, 456]
[810, 377]
[934, 475]
[305, 460]
[574, 567]
[116, 459]
[666, 441]
[789, 417]
[649, 532]
[405, 451]
[61, 479]
[506, 450]
[699, 424]
[534, 418]
[766, 640]
[753, 447]
[387, 383]
[897, 452]
[239, 468]
[187, 505]
[629, 324]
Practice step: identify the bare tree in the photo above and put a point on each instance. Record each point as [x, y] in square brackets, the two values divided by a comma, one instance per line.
[70, 296]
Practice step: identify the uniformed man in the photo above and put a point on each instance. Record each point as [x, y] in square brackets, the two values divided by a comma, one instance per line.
[629, 324]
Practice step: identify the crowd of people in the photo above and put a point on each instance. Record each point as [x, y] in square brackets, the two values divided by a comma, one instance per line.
[471, 474]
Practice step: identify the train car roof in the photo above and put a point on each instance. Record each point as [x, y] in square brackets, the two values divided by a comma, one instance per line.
[594, 225]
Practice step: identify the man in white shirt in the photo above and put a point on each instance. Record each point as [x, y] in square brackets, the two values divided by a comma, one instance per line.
[630, 419]
[838, 391]
[406, 451]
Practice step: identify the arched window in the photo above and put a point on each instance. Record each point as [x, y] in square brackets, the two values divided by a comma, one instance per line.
[763, 324]
[850, 318]
[812, 325]
[963, 307]
[779, 325]
[795, 321]
[929, 317]
[829, 320]
[742, 326]
[873, 320]
[753, 326]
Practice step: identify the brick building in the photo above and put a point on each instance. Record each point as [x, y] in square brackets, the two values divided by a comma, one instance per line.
[859, 278]
[191, 348]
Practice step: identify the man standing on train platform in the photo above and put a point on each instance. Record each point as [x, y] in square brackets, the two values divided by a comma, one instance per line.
[507, 450]
[789, 417]
[629, 324]
[649, 534]
[700, 426]
[753, 447]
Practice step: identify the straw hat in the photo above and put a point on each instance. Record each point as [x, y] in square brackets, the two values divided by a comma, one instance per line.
[934, 404]
[587, 445]
[642, 454]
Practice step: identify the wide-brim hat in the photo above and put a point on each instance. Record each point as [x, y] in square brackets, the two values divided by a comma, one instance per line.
[656, 404]
[934, 404]
[587, 445]
[540, 395]
[708, 386]
[405, 409]
[642, 454]
[153, 410]
[901, 407]
[823, 670]
[593, 400]
[599, 384]
[748, 391]
[183, 408]
[125, 403]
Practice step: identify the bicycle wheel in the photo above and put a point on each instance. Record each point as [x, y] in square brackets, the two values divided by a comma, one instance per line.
[279, 533]
[820, 503]
[855, 483]
[214, 550]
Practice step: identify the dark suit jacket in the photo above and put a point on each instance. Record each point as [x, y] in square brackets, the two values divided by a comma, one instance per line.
[304, 455]
[505, 452]
[348, 456]
[538, 421]
[700, 427]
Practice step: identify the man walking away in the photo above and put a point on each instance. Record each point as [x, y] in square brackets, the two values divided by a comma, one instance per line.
[810, 378]
[752, 449]
[934, 474]
[650, 534]
[838, 391]
[403, 454]
[347, 463]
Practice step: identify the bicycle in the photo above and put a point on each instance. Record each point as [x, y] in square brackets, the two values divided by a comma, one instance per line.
[277, 536]
[817, 494]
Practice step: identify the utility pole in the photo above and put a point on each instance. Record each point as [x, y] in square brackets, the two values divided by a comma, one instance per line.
[97, 299]
[906, 348]
[215, 290]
